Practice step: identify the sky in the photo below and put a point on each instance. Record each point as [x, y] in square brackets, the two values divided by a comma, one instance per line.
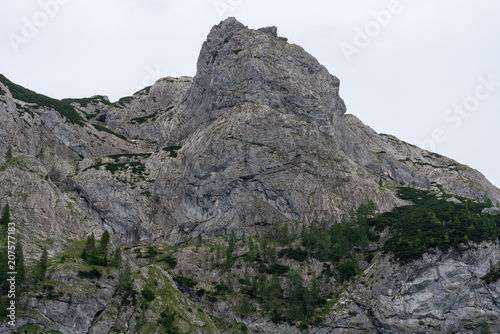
[425, 71]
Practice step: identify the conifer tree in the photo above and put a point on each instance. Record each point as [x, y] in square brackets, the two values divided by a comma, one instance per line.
[103, 246]
[446, 238]
[90, 244]
[84, 253]
[94, 257]
[117, 258]
[3, 268]
[21, 272]
[5, 215]
[125, 279]
[42, 265]
[8, 154]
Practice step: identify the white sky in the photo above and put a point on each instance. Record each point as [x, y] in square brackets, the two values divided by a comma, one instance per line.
[426, 58]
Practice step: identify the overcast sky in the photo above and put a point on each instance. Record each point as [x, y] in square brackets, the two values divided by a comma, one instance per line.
[426, 71]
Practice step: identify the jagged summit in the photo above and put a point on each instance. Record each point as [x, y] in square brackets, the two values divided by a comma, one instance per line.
[238, 65]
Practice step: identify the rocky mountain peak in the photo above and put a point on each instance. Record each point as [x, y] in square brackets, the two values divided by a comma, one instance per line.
[238, 65]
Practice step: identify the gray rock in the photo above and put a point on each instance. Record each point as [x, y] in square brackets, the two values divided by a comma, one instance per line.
[273, 31]
[491, 211]
[453, 200]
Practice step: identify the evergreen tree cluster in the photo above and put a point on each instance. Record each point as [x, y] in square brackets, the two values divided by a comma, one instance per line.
[98, 255]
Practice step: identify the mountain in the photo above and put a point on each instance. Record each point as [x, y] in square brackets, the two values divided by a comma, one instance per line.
[247, 180]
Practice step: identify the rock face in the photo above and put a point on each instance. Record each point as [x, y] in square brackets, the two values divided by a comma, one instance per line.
[258, 137]
[439, 291]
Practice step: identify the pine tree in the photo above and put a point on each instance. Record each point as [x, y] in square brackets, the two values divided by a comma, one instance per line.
[84, 254]
[456, 224]
[434, 220]
[90, 244]
[264, 250]
[8, 154]
[262, 286]
[151, 253]
[446, 238]
[295, 294]
[103, 246]
[251, 247]
[247, 277]
[21, 272]
[117, 258]
[315, 291]
[3, 268]
[125, 279]
[274, 294]
[42, 265]
[94, 257]
[229, 251]
[5, 215]
[167, 319]
[245, 305]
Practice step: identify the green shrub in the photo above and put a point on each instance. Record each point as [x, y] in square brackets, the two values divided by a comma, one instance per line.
[105, 129]
[185, 281]
[169, 260]
[91, 274]
[143, 119]
[172, 150]
[296, 254]
[148, 294]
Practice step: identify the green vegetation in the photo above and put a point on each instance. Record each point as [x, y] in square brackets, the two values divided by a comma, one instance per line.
[126, 286]
[102, 128]
[90, 274]
[117, 258]
[432, 222]
[143, 91]
[148, 294]
[20, 269]
[26, 95]
[42, 266]
[140, 120]
[234, 52]
[86, 100]
[167, 318]
[484, 328]
[493, 275]
[126, 168]
[153, 116]
[170, 260]
[98, 256]
[129, 155]
[123, 101]
[185, 281]
[104, 243]
[8, 155]
[172, 150]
